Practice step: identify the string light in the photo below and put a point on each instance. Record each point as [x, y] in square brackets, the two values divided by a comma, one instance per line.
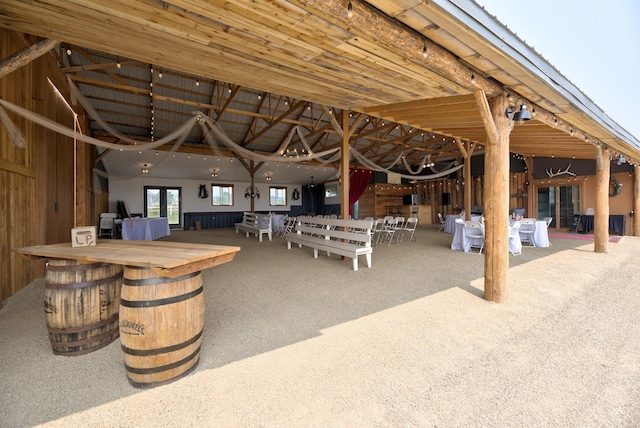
[350, 9]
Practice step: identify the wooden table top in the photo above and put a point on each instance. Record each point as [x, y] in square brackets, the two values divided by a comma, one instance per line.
[169, 259]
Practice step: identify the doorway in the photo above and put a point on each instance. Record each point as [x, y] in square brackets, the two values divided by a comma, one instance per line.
[560, 203]
[164, 202]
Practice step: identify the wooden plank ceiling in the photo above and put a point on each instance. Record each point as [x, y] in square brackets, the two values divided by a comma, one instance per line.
[261, 67]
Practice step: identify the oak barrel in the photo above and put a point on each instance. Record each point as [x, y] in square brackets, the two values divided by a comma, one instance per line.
[81, 303]
[161, 322]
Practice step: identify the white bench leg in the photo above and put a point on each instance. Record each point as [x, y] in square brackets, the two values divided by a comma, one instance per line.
[259, 236]
[368, 257]
[315, 253]
[246, 234]
[288, 245]
[355, 263]
[269, 236]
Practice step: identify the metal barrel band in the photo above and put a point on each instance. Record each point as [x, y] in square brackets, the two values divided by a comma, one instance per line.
[160, 302]
[84, 284]
[160, 369]
[83, 328]
[172, 348]
[157, 281]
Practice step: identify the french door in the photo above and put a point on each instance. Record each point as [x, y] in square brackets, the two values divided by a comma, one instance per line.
[164, 202]
[560, 203]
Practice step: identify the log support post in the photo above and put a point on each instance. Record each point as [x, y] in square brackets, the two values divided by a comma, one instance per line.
[344, 166]
[496, 200]
[601, 214]
[467, 181]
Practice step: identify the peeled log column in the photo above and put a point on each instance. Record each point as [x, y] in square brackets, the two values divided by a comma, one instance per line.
[26, 55]
[601, 215]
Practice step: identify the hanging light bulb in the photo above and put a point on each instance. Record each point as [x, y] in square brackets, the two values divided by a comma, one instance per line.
[350, 9]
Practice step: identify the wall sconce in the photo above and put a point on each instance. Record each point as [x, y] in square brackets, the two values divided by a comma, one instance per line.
[251, 193]
[145, 169]
[620, 159]
[521, 115]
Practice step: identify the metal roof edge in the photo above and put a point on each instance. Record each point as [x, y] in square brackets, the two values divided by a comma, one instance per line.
[477, 19]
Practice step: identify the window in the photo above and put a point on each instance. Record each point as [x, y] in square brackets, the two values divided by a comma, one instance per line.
[221, 194]
[331, 191]
[277, 196]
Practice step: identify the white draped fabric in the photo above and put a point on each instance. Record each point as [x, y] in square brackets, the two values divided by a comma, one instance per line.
[212, 134]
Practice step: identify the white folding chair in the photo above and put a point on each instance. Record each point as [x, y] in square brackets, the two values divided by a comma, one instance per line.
[474, 233]
[442, 222]
[527, 229]
[410, 228]
[387, 232]
[515, 245]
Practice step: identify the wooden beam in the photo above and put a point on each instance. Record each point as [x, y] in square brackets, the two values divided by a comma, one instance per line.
[601, 210]
[369, 23]
[485, 114]
[26, 55]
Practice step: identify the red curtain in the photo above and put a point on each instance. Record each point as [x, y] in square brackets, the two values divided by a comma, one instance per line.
[358, 181]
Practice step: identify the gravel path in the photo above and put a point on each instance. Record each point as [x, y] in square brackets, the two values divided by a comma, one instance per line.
[296, 341]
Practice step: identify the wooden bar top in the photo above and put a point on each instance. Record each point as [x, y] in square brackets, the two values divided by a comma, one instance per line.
[168, 259]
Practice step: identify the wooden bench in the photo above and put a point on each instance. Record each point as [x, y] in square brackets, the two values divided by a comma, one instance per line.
[349, 238]
[256, 224]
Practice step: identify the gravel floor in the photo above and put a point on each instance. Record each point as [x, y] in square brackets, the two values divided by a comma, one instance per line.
[295, 341]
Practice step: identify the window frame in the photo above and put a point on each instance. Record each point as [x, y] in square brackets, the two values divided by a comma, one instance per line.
[284, 191]
[221, 186]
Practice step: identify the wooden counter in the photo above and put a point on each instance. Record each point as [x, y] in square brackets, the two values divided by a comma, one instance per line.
[160, 315]
[167, 259]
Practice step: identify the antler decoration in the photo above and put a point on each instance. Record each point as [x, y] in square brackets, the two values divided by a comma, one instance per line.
[551, 174]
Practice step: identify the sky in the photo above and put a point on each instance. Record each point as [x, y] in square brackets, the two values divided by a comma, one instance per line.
[595, 44]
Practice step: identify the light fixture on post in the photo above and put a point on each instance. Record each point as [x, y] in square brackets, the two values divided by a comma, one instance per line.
[145, 169]
[620, 159]
[521, 115]
[429, 162]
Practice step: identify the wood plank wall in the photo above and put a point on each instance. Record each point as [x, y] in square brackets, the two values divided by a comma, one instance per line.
[378, 197]
[36, 182]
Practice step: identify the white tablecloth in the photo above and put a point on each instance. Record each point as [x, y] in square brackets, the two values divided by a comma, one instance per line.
[462, 242]
[540, 234]
[145, 229]
[277, 222]
[450, 222]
